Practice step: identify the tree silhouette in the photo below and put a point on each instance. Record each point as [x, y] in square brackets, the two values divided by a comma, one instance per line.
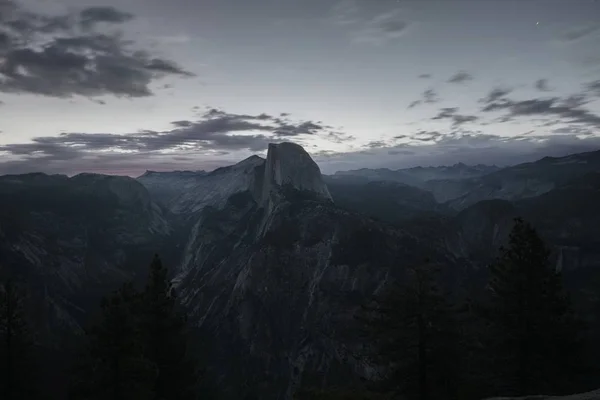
[15, 345]
[165, 338]
[536, 343]
[415, 335]
[113, 365]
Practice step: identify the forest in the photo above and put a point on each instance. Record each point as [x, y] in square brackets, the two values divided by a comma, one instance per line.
[520, 336]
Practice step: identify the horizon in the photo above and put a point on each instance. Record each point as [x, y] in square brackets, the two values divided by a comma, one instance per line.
[263, 158]
[118, 88]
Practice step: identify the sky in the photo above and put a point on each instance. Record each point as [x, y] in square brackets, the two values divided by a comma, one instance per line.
[125, 86]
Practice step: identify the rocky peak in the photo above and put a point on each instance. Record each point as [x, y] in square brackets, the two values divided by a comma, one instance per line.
[289, 165]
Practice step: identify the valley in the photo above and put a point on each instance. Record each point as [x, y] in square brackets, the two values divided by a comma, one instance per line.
[271, 259]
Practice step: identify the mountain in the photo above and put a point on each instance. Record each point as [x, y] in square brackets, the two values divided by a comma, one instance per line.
[262, 258]
[517, 182]
[384, 200]
[418, 176]
[276, 277]
[72, 238]
[271, 258]
[189, 192]
[461, 186]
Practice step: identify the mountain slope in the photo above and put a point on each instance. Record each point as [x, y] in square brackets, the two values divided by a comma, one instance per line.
[518, 182]
[278, 288]
[384, 200]
[71, 239]
[276, 278]
[418, 176]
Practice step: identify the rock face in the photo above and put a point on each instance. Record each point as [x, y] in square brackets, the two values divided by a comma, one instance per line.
[189, 192]
[289, 164]
[277, 288]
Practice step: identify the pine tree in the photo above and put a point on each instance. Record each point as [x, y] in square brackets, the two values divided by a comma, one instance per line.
[113, 365]
[535, 332]
[165, 338]
[415, 333]
[15, 345]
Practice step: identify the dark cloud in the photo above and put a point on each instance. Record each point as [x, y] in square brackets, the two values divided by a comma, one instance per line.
[166, 66]
[54, 56]
[93, 15]
[427, 136]
[182, 123]
[542, 85]
[495, 94]
[460, 77]
[450, 113]
[425, 76]
[414, 103]
[593, 88]
[430, 96]
[217, 131]
[575, 34]
[566, 110]
[574, 101]
[375, 144]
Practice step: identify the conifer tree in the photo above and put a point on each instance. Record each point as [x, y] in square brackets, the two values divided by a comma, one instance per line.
[415, 334]
[536, 343]
[15, 345]
[113, 365]
[165, 338]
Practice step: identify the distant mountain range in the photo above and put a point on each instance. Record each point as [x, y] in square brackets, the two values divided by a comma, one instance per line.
[271, 258]
[417, 176]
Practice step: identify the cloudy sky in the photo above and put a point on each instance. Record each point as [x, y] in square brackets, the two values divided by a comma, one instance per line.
[122, 86]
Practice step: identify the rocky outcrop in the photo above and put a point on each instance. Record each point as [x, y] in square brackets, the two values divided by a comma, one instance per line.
[288, 164]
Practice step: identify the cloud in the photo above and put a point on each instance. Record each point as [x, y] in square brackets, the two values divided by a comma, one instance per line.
[217, 132]
[575, 101]
[381, 29]
[565, 110]
[425, 76]
[460, 77]
[542, 85]
[581, 32]
[457, 119]
[94, 15]
[64, 55]
[593, 88]
[415, 103]
[429, 96]
[495, 94]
